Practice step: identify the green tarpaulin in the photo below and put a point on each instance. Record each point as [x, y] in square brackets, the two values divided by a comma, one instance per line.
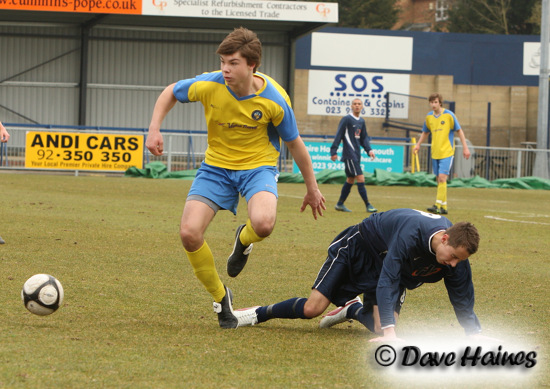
[379, 177]
[159, 170]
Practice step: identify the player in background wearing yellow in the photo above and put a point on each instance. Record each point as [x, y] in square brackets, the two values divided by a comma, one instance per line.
[247, 115]
[443, 125]
[4, 136]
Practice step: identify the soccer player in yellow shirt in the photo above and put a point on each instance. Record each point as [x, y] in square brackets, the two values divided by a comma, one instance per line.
[247, 115]
[443, 125]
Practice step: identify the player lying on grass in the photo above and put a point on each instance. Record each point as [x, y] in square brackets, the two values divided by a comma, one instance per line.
[381, 257]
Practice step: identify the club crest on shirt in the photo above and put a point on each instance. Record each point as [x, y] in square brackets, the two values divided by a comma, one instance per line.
[257, 115]
[426, 271]
[443, 122]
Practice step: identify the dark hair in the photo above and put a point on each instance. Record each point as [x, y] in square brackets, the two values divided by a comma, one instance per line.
[464, 234]
[434, 96]
[244, 41]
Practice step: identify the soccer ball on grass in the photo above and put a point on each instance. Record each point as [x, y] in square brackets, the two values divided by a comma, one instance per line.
[42, 294]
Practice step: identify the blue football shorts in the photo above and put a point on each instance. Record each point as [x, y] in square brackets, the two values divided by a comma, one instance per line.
[349, 271]
[222, 188]
[442, 166]
[337, 280]
[353, 168]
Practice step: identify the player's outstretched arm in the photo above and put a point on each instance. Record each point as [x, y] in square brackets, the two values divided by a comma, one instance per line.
[164, 104]
[314, 198]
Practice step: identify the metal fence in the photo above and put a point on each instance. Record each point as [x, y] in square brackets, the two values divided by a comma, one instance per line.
[488, 162]
[416, 110]
[184, 150]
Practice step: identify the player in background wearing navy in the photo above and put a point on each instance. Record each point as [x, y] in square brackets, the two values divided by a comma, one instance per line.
[247, 115]
[443, 125]
[4, 136]
[352, 131]
[381, 257]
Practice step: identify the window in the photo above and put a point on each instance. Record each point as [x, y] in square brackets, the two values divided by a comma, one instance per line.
[441, 8]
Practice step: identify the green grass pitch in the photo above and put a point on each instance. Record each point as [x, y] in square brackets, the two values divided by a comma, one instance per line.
[136, 317]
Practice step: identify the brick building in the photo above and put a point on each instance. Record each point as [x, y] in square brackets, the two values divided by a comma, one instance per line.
[422, 15]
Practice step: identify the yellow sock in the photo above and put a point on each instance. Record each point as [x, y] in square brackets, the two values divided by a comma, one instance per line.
[444, 199]
[248, 235]
[202, 261]
[441, 200]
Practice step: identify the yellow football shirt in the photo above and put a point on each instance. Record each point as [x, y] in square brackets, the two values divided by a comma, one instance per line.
[243, 132]
[443, 128]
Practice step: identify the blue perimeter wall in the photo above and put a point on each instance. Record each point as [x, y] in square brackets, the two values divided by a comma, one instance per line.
[473, 59]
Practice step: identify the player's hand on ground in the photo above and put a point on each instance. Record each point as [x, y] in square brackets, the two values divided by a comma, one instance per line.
[316, 201]
[381, 339]
[483, 338]
[155, 143]
[389, 336]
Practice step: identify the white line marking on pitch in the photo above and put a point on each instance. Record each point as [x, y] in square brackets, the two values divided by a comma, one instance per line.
[515, 221]
[524, 214]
